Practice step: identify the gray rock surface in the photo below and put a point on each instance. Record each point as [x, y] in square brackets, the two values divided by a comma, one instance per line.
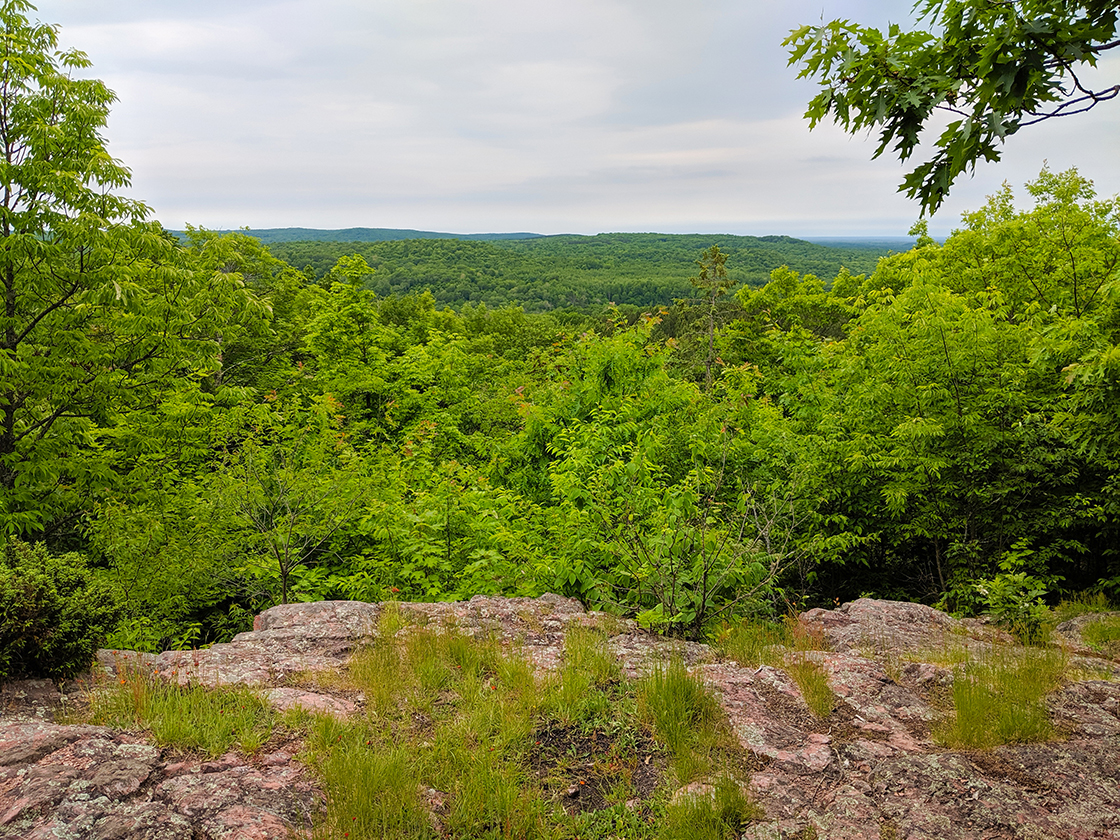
[869, 770]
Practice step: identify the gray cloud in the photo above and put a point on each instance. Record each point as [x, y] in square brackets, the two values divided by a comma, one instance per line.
[473, 115]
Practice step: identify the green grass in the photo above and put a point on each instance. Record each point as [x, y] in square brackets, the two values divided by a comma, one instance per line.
[783, 645]
[1083, 603]
[677, 706]
[813, 683]
[721, 816]
[751, 643]
[1103, 635]
[1000, 698]
[463, 740]
[209, 721]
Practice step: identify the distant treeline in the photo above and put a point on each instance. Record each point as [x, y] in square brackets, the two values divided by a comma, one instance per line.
[556, 272]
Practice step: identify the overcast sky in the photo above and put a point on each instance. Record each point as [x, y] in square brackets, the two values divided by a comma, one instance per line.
[552, 116]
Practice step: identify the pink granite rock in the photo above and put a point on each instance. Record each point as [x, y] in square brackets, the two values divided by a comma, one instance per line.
[869, 770]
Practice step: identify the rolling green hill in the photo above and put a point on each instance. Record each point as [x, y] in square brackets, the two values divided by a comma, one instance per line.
[542, 273]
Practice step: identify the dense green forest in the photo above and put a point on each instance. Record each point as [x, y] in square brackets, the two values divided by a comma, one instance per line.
[193, 430]
[547, 273]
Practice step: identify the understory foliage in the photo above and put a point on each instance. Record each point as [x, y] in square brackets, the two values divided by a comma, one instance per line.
[215, 431]
[944, 430]
[53, 614]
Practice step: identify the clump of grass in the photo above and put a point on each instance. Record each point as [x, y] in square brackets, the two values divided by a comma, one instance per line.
[1000, 699]
[484, 739]
[719, 816]
[585, 650]
[580, 694]
[751, 643]
[1103, 635]
[371, 793]
[391, 620]
[813, 683]
[1083, 603]
[951, 653]
[677, 705]
[210, 721]
[804, 636]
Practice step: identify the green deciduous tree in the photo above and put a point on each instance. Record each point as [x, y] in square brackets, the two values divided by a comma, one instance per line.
[100, 311]
[997, 66]
[712, 282]
[288, 487]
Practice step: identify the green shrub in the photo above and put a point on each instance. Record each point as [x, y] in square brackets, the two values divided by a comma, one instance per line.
[1014, 600]
[53, 614]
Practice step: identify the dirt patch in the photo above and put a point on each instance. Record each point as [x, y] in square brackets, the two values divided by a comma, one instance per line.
[790, 710]
[996, 766]
[590, 769]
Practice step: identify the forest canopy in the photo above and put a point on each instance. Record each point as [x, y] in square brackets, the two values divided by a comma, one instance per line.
[193, 430]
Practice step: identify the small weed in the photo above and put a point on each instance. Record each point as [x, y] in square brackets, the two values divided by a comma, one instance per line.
[813, 682]
[615, 823]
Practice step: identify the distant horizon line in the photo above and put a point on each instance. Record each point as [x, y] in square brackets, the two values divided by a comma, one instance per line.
[388, 234]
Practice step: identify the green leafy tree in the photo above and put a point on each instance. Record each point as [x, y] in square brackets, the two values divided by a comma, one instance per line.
[288, 488]
[713, 283]
[100, 310]
[998, 66]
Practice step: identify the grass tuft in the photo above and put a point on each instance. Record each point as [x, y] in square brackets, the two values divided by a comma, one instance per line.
[1001, 698]
[813, 683]
[1103, 635]
[1083, 603]
[752, 643]
[722, 815]
[209, 721]
[677, 705]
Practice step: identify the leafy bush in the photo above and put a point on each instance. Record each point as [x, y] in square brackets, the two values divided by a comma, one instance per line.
[53, 614]
[1015, 601]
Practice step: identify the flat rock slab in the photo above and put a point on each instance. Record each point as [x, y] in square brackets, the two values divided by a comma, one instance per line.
[76, 782]
[870, 769]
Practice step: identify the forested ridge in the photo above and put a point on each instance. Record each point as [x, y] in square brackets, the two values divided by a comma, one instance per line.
[191, 431]
[546, 273]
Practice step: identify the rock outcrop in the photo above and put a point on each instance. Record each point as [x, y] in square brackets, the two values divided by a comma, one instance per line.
[871, 769]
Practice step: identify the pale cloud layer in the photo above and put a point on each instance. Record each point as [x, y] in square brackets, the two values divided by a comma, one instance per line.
[500, 115]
